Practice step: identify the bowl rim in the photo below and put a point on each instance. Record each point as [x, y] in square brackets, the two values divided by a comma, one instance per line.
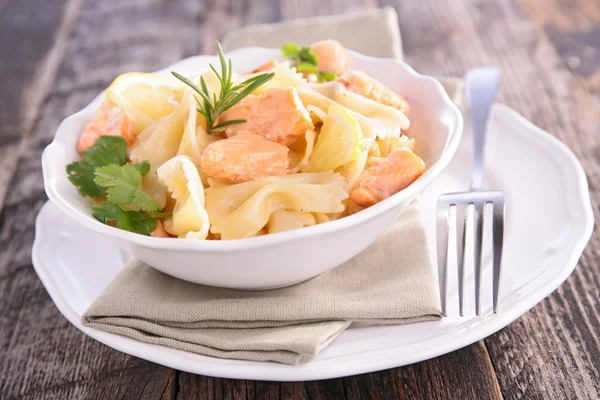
[449, 109]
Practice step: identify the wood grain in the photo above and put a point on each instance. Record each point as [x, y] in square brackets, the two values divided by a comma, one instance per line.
[43, 356]
[32, 45]
[551, 352]
[574, 29]
[463, 374]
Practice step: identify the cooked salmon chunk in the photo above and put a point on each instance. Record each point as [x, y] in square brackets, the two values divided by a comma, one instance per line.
[109, 120]
[244, 157]
[269, 65]
[386, 177]
[277, 114]
[361, 83]
[333, 57]
[159, 231]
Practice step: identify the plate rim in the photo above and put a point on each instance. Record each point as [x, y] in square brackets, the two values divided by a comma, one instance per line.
[370, 360]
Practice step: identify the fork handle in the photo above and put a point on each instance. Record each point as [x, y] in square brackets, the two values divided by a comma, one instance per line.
[481, 85]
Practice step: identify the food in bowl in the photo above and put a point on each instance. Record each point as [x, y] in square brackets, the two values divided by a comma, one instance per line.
[218, 156]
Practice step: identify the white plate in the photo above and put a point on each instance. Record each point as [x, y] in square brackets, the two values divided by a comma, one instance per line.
[549, 222]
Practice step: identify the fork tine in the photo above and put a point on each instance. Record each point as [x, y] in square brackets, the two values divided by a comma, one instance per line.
[479, 209]
[442, 227]
[462, 216]
[498, 240]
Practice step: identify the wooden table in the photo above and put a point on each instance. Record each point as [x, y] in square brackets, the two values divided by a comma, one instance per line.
[56, 55]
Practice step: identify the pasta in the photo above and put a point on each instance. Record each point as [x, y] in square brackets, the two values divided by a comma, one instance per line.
[242, 210]
[161, 140]
[195, 139]
[392, 143]
[285, 76]
[287, 146]
[371, 128]
[393, 119]
[352, 170]
[316, 114]
[190, 219]
[301, 150]
[284, 220]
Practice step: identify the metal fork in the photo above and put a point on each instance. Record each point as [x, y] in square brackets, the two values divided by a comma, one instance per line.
[481, 85]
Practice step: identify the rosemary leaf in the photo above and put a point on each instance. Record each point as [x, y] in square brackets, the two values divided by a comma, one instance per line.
[225, 124]
[250, 88]
[211, 107]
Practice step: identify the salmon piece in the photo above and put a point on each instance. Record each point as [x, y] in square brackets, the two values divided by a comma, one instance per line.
[278, 114]
[269, 65]
[333, 57]
[361, 83]
[109, 120]
[387, 177]
[244, 157]
[353, 208]
[159, 231]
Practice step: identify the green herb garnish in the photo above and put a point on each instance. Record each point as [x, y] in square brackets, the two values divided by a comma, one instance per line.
[106, 150]
[103, 172]
[129, 220]
[306, 60]
[122, 182]
[211, 107]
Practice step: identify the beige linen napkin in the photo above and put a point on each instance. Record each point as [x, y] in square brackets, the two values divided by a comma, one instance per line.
[371, 32]
[392, 282]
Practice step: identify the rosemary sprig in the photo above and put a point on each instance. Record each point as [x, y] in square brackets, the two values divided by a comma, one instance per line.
[211, 107]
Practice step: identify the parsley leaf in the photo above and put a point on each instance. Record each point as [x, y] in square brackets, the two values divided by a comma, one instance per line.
[103, 171]
[122, 182]
[142, 167]
[306, 61]
[82, 175]
[290, 50]
[302, 55]
[306, 67]
[132, 221]
[307, 55]
[327, 76]
[106, 150]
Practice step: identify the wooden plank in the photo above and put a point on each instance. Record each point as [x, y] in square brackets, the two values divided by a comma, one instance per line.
[220, 17]
[143, 382]
[207, 388]
[42, 355]
[39, 347]
[291, 9]
[32, 38]
[574, 29]
[463, 374]
[554, 350]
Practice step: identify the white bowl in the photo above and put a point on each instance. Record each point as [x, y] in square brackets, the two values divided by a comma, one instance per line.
[285, 258]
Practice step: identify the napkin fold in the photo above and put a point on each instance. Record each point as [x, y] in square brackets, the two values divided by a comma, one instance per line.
[392, 282]
[372, 32]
